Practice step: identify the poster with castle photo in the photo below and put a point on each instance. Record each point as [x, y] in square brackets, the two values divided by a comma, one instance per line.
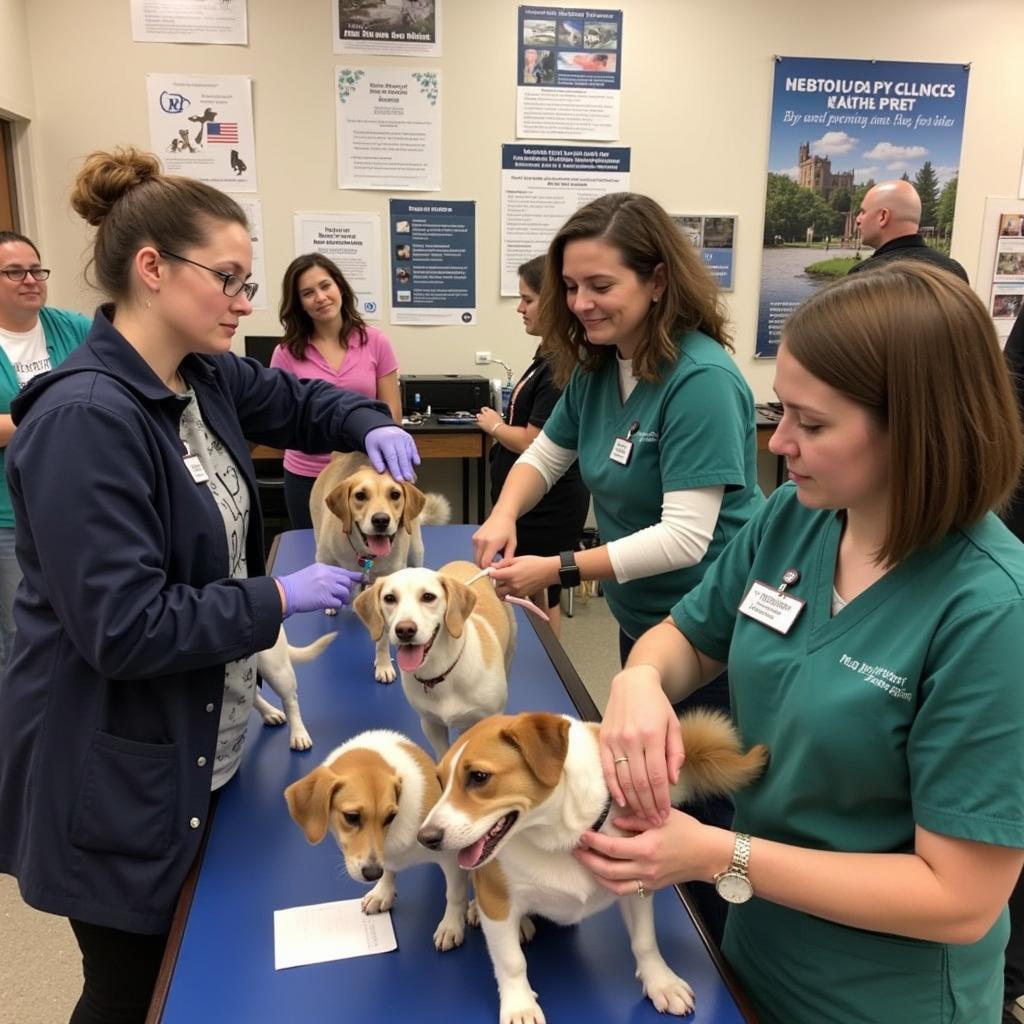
[838, 128]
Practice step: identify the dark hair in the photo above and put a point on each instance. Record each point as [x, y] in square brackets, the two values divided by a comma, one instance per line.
[124, 195]
[913, 345]
[645, 236]
[297, 323]
[13, 236]
[532, 272]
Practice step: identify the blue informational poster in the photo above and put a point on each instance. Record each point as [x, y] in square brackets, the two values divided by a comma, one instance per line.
[714, 238]
[838, 128]
[432, 245]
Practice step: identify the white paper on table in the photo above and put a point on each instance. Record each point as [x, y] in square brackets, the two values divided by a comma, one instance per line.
[329, 931]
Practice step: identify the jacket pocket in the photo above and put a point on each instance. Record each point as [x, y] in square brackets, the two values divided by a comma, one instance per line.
[127, 798]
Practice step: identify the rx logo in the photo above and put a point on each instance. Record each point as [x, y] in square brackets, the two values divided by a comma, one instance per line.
[173, 102]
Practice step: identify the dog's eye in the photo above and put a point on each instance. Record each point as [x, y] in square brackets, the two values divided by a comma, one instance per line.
[390, 818]
[351, 818]
[395, 495]
[360, 496]
[389, 599]
[428, 597]
[477, 778]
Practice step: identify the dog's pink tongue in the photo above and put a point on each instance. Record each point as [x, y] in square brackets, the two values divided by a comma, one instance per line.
[471, 854]
[379, 546]
[410, 656]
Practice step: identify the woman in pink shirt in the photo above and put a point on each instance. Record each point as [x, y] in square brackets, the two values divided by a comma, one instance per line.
[325, 338]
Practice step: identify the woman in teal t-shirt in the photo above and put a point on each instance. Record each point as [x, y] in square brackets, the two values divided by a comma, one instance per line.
[871, 616]
[33, 338]
[659, 416]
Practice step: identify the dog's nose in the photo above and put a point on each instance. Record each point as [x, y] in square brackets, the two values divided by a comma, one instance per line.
[431, 836]
[381, 521]
[405, 631]
[372, 871]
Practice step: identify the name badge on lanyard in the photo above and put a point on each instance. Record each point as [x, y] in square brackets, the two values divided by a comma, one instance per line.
[194, 466]
[622, 447]
[772, 606]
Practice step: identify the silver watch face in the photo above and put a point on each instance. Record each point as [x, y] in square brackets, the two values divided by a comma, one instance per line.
[734, 887]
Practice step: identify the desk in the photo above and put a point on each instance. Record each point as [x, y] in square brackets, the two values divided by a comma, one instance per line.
[220, 960]
[439, 441]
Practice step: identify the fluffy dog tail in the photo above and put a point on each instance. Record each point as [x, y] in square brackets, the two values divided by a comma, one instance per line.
[311, 651]
[437, 510]
[715, 763]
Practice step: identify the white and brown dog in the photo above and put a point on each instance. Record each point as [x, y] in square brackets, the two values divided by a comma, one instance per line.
[519, 791]
[454, 644]
[277, 667]
[372, 794]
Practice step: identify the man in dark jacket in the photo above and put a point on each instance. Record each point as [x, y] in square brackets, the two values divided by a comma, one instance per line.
[888, 220]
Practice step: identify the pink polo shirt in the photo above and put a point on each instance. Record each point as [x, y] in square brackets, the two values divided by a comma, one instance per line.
[360, 370]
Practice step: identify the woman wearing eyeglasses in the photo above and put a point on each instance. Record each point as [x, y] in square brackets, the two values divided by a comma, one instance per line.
[145, 599]
[33, 338]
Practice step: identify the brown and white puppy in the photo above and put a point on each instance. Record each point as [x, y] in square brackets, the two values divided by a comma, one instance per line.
[454, 644]
[277, 667]
[372, 794]
[518, 792]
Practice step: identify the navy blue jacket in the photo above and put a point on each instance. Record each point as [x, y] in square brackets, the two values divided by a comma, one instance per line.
[110, 706]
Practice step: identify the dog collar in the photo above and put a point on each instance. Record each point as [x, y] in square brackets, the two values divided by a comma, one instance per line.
[603, 816]
[429, 684]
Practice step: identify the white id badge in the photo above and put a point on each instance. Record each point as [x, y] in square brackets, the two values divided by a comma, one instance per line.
[195, 467]
[621, 451]
[766, 605]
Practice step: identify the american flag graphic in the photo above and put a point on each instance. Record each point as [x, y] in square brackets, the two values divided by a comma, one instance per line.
[224, 131]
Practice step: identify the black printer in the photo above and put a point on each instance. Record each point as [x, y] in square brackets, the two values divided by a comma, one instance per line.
[444, 393]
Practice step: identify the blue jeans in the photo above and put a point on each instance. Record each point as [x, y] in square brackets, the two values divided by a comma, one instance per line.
[10, 577]
[716, 810]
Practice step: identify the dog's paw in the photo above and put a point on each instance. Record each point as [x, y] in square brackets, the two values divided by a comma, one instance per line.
[449, 933]
[300, 740]
[384, 673]
[527, 929]
[270, 714]
[521, 1009]
[379, 899]
[473, 914]
[667, 991]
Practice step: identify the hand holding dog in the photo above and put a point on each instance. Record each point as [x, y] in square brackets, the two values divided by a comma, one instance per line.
[318, 586]
[641, 748]
[392, 449]
[497, 533]
[524, 575]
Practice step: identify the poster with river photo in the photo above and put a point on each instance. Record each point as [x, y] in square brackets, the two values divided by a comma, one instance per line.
[838, 128]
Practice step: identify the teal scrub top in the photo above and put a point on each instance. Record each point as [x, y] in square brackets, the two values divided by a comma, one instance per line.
[904, 708]
[695, 427]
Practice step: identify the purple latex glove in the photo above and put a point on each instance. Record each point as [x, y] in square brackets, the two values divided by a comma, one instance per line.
[318, 586]
[391, 448]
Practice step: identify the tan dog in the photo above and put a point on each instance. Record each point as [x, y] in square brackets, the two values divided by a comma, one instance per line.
[277, 667]
[372, 794]
[454, 644]
[519, 791]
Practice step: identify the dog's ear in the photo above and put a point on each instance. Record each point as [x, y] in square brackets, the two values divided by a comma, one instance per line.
[367, 607]
[309, 801]
[339, 502]
[459, 604]
[415, 499]
[542, 740]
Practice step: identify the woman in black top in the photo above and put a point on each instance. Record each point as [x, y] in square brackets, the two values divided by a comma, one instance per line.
[555, 523]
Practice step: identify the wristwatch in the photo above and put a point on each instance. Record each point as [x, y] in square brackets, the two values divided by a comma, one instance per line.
[733, 884]
[569, 571]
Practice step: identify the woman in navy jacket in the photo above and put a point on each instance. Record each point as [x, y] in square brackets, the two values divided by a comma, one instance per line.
[144, 597]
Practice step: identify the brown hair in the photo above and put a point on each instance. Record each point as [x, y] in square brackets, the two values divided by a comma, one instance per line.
[13, 236]
[532, 272]
[645, 236]
[914, 346]
[297, 323]
[131, 204]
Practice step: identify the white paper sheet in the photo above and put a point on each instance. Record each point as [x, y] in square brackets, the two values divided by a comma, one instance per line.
[329, 931]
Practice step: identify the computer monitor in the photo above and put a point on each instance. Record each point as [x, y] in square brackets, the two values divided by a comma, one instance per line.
[261, 347]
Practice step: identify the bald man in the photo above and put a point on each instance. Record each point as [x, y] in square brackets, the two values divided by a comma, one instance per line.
[888, 219]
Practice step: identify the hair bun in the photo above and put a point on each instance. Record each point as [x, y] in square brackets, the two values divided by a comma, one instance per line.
[107, 177]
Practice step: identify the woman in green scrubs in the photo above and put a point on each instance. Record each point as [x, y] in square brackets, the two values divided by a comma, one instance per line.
[871, 616]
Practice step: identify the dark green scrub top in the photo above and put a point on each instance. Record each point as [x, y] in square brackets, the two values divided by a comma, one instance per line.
[905, 708]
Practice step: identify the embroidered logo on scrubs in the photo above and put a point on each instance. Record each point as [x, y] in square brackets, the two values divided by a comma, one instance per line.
[646, 437]
[877, 675]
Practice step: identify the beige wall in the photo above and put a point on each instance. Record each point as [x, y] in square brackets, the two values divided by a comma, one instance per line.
[695, 109]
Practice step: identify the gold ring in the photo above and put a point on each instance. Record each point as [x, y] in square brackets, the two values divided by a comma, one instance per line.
[618, 759]
[640, 890]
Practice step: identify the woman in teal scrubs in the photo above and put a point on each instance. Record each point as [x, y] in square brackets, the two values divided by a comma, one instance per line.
[871, 616]
[659, 416]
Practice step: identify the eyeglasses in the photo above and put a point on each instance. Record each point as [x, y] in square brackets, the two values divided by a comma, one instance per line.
[18, 273]
[232, 283]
